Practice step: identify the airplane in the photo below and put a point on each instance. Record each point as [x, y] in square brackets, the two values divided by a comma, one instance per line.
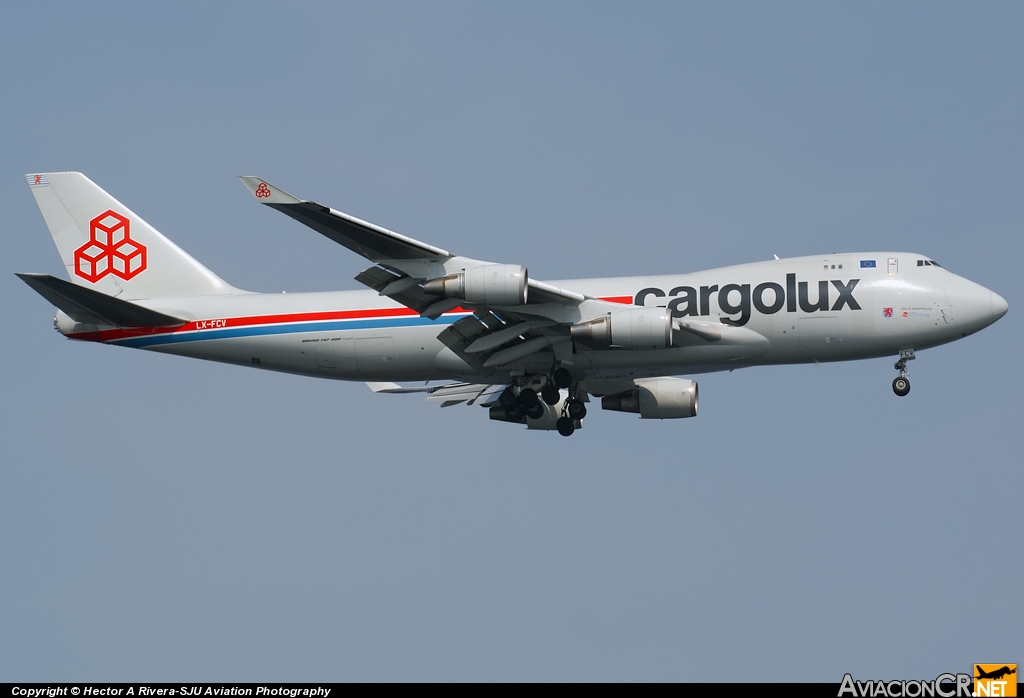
[996, 674]
[477, 332]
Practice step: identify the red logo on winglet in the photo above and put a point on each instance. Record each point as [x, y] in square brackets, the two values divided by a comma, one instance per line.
[110, 250]
[262, 191]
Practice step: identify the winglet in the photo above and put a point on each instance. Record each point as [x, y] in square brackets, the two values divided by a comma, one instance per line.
[267, 193]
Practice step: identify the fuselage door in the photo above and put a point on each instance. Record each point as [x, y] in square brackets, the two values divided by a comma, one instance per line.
[893, 265]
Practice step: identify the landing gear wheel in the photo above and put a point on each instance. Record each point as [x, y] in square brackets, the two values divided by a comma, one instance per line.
[550, 395]
[515, 411]
[528, 398]
[901, 386]
[535, 412]
[576, 409]
[507, 398]
[565, 426]
[562, 378]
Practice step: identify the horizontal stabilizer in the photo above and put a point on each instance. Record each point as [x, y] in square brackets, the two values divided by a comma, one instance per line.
[85, 305]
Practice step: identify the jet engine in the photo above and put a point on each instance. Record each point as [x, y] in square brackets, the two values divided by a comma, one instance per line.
[494, 284]
[656, 398]
[630, 328]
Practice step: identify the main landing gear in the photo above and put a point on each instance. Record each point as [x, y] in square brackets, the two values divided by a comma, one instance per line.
[573, 411]
[528, 402]
[525, 403]
[901, 384]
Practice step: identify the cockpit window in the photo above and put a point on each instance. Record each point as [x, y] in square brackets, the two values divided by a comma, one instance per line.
[927, 263]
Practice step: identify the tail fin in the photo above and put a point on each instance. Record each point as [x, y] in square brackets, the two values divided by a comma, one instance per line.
[108, 248]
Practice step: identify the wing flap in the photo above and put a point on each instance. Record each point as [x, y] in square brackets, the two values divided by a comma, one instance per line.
[448, 394]
[401, 289]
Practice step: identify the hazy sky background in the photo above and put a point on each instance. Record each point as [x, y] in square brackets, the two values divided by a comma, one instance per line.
[168, 519]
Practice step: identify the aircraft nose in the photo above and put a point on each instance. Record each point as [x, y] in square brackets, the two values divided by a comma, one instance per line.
[974, 306]
[999, 306]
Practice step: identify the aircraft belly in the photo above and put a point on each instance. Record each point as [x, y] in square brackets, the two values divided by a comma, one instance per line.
[277, 353]
[404, 354]
[686, 359]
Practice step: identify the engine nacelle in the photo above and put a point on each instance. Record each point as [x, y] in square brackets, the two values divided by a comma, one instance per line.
[656, 398]
[494, 284]
[631, 328]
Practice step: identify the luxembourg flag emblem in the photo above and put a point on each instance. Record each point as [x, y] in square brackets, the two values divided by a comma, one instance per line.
[37, 180]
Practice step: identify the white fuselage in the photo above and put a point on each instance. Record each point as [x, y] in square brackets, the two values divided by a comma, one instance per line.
[867, 311]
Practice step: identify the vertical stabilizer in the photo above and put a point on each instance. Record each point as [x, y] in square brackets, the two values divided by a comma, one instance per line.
[108, 248]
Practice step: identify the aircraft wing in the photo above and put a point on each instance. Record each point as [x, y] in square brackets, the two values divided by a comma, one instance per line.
[371, 241]
[534, 318]
[409, 261]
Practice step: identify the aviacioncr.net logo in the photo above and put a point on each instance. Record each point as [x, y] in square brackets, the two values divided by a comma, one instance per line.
[944, 686]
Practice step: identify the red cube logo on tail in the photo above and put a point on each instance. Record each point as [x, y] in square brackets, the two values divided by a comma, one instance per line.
[110, 250]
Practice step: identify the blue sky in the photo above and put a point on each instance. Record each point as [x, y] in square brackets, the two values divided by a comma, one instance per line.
[165, 519]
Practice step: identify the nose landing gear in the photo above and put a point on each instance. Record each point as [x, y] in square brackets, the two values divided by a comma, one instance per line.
[901, 384]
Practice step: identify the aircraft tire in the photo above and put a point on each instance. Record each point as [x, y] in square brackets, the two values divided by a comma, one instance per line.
[901, 386]
[507, 398]
[550, 395]
[565, 426]
[577, 409]
[528, 398]
[562, 378]
[514, 411]
[535, 412]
